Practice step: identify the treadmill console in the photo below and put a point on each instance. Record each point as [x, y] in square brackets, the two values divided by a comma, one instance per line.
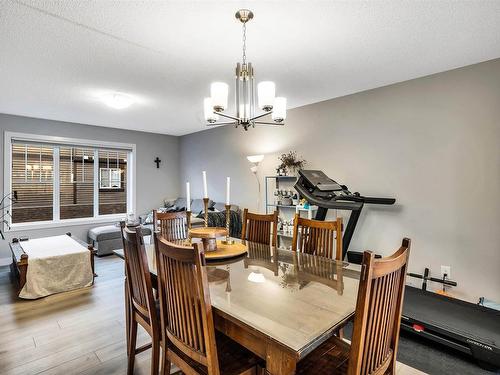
[319, 180]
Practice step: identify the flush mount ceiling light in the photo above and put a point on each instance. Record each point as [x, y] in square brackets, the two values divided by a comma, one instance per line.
[245, 94]
[117, 100]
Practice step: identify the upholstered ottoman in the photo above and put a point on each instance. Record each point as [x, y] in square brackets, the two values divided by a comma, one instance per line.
[107, 238]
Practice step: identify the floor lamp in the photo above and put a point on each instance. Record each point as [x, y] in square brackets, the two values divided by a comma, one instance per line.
[255, 160]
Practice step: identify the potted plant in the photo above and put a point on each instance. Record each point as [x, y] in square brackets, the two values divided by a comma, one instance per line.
[290, 162]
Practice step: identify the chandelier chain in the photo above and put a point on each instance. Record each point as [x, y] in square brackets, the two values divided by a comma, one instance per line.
[244, 43]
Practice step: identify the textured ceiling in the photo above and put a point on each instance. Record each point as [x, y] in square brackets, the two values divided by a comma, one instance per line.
[56, 57]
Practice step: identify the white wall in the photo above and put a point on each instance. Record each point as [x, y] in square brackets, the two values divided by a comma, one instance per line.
[432, 143]
[153, 184]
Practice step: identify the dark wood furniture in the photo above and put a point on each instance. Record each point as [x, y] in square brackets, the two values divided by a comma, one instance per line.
[140, 305]
[187, 325]
[375, 337]
[260, 228]
[19, 265]
[323, 238]
[172, 225]
[284, 329]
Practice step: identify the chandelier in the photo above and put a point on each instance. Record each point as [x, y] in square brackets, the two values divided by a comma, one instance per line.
[245, 116]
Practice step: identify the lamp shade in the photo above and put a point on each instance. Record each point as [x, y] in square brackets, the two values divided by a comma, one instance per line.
[208, 111]
[279, 110]
[255, 158]
[219, 92]
[266, 91]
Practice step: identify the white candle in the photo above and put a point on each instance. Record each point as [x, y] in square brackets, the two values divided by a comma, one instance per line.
[188, 197]
[205, 188]
[228, 188]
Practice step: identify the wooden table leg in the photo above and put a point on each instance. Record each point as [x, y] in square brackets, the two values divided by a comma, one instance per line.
[279, 362]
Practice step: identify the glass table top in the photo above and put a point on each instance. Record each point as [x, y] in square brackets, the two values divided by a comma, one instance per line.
[296, 299]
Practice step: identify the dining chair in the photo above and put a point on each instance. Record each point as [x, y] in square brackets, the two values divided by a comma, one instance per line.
[187, 327]
[260, 228]
[141, 307]
[375, 336]
[172, 225]
[322, 238]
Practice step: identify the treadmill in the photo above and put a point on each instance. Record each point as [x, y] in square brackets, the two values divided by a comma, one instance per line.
[463, 326]
[466, 327]
[318, 189]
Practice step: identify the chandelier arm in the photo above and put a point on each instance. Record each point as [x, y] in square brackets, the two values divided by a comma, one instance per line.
[223, 123]
[269, 123]
[261, 115]
[227, 116]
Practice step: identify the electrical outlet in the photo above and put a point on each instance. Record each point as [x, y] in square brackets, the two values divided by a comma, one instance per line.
[446, 270]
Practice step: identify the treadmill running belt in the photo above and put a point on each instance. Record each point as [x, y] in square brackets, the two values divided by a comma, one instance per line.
[458, 317]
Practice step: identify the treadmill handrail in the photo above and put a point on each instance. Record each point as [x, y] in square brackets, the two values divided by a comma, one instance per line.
[335, 204]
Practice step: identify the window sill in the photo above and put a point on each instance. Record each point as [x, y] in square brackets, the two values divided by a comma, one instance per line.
[65, 223]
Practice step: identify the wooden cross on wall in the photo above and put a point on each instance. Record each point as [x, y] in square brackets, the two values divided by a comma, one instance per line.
[157, 161]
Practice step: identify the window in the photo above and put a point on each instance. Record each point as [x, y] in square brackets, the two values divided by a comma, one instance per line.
[76, 182]
[58, 181]
[112, 184]
[32, 182]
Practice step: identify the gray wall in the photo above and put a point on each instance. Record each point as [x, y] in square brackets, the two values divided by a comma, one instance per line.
[433, 143]
[153, 184]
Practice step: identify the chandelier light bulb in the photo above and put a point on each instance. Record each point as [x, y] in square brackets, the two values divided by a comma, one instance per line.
[219, 92]
[208, 111]
[266, 92]
[279, 110]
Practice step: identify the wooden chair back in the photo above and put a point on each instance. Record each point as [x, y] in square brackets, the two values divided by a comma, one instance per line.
[185, 308]
[172, 225]
[323, 238]
[138, 276]
[260, 228]
[378, 313]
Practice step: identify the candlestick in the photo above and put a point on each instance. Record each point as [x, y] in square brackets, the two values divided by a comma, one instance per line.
[188, 225]
[228, 240]
[205, 187]
[205, 216]
[228, 188]
[188, 197]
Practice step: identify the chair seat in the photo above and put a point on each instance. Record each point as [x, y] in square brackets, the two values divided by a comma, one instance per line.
[330, 358]
[234, 359]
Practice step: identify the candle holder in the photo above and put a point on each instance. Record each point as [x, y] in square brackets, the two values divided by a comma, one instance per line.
[205, 215]
[228, 240]
[188, 225]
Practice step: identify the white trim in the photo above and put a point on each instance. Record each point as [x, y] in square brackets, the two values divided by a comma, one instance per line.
[96, 183]
[65, 223]
[56, 185]
[131, 177]
[68, 141]
[9, 137]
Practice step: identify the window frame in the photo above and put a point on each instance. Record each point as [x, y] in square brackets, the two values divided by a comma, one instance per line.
[10, 137]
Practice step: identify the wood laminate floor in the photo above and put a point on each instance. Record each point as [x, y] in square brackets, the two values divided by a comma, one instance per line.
[79, 332]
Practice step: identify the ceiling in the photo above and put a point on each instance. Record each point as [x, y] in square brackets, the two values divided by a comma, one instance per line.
[57, 57]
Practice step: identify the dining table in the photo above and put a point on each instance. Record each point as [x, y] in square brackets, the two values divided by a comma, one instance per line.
[277, 303]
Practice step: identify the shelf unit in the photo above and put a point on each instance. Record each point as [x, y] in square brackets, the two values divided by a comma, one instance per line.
[284, 211]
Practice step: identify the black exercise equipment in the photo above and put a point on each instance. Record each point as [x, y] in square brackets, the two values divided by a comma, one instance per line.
[318, 189]
[463, 326]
